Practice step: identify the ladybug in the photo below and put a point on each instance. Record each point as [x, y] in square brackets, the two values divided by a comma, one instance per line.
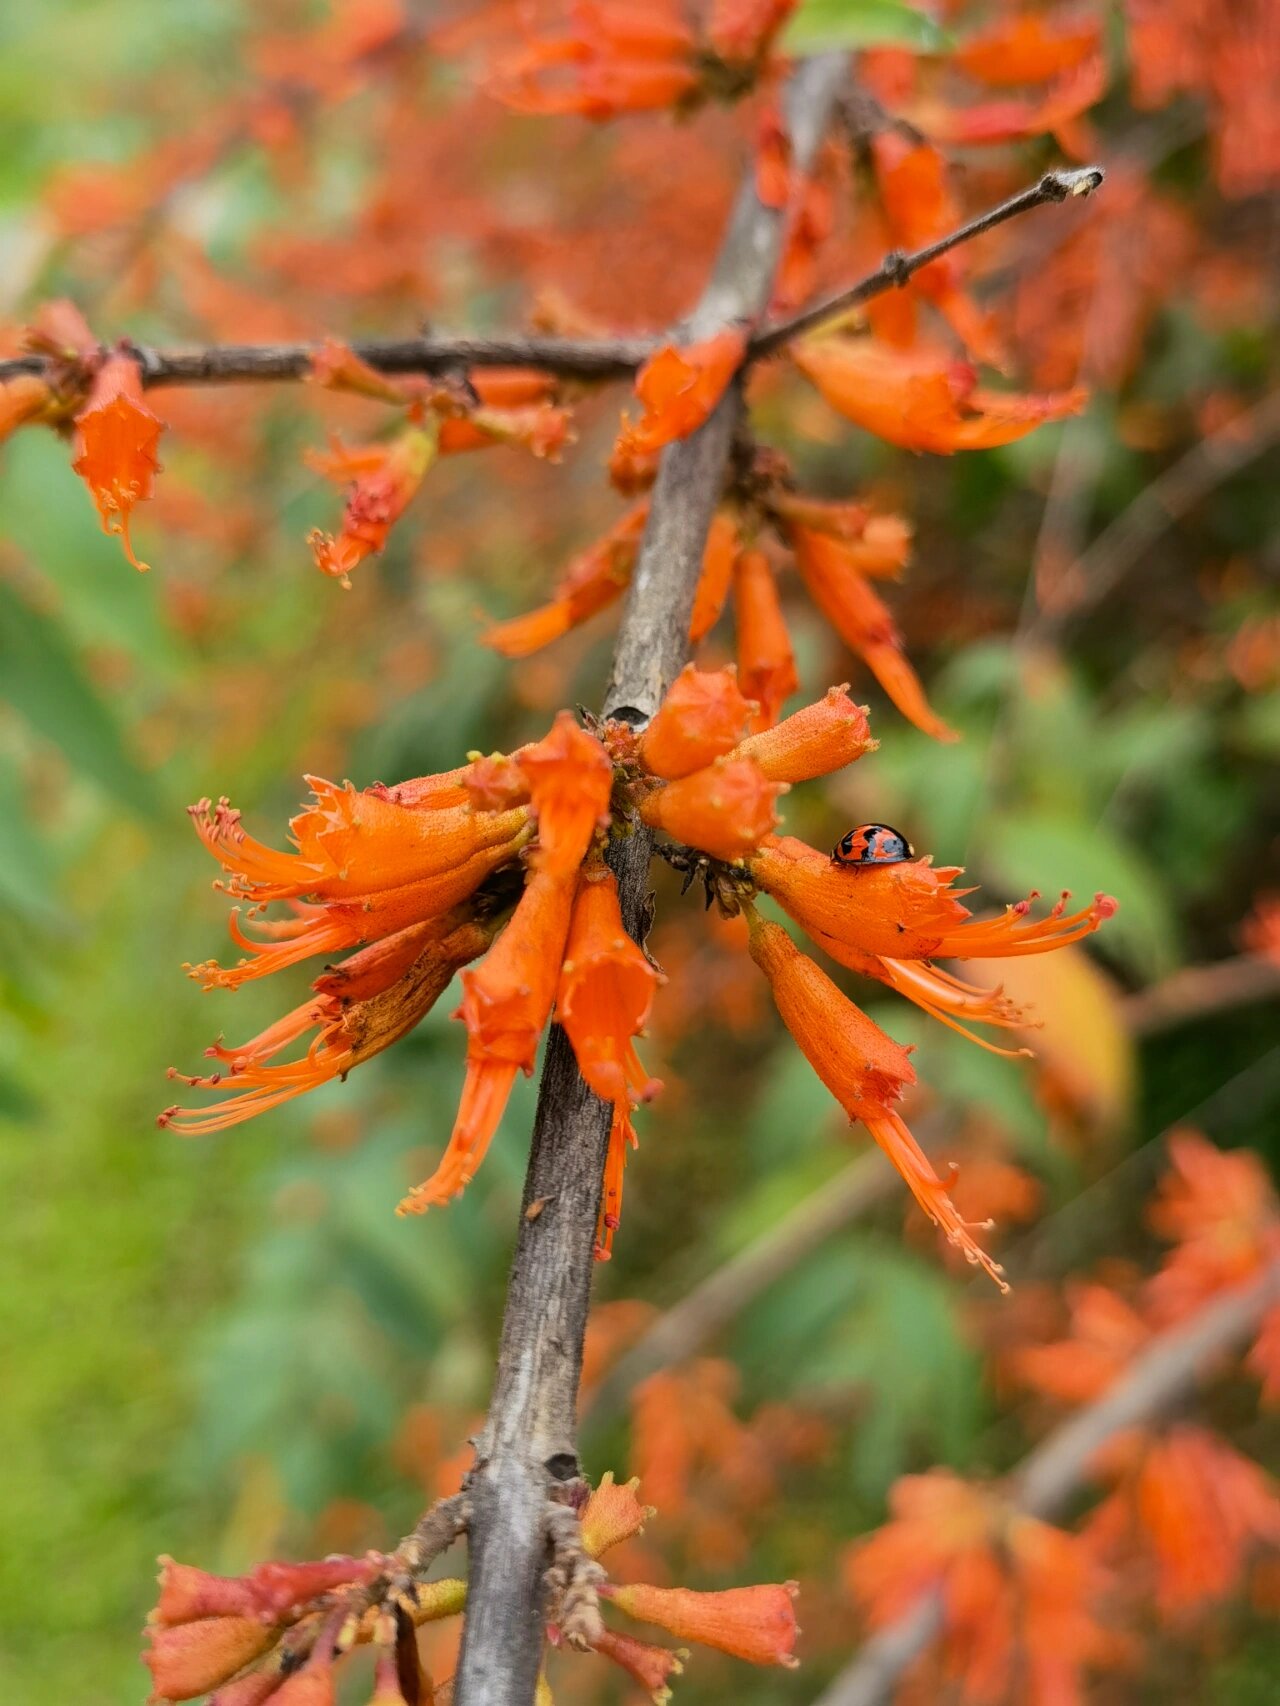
[872, 844]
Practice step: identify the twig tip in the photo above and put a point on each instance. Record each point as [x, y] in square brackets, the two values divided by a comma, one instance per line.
[1073, 181]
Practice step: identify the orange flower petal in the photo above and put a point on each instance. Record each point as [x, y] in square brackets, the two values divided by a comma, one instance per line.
[921, 400]
[386, 477]
[680, 387]
[725, 810]
[570, 778]
[116, 439]
[613, 1513]
[816, 741]
[593, 581]
[757, 1624]
[713, 582]
[862, 620]
[606, 989]
[191, 1658]
[702, 717]
[766, 662]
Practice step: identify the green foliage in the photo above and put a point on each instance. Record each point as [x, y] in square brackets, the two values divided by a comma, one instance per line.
[822, 26]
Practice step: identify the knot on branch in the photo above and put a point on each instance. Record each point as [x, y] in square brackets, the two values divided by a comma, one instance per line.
[897, 269]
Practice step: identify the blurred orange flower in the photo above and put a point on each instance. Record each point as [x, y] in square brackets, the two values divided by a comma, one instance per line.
[116, 439]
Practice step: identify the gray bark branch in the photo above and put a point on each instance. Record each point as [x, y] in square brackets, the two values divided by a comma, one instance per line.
[528, 1448]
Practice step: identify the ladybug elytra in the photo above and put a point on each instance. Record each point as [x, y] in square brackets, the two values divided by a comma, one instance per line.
[872, 844]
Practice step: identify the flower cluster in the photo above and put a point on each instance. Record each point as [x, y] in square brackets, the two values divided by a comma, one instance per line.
[1019, 1596]
[96, 396]
[421, 877]
[498, 406]
[1185, 1510]
[1184, 1513]
[599, 58]
[887, 921]
[918, 397]
[278, 1633]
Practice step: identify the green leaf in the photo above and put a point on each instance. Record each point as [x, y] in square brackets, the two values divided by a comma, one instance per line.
[44, 683]
[820, 25]
[24, 863]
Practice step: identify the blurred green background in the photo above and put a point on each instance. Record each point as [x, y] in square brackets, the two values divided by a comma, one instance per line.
[210, 1347]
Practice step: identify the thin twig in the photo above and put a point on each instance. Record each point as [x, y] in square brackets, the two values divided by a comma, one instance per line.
[578, 358]
[897, 269]
[1055, 1471]
[1195, 992]
[527, 1450]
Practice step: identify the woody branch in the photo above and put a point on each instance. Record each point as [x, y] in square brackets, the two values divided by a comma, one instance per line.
[1053, 1473]
[571, 358]
[526, 1456]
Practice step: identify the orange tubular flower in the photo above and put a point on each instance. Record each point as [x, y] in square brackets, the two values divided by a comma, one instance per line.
[517, 406]
[907, 911]
[368, 866]
[725, 810]
[944, 997]
[24, 400]
[1220, 1212]
[1204, 1508]
[652, 1667]
[269, 1592]
[922, 400]
[918, 208]
[703, 716]
[1028, 48]
[608, 58]
[385, 477]
[862, 620]
[622, 1137]
[116, 439]
[570, 779]
[865, 1071]
[766, 661]
[191, 1658]
[613, 1514]
[605, 993]
[756, 1623]
[505, 1005]
[816, 741]
[1016, 1592]
[1106, 1335]
[875, 545]
[1010, 120]
[717, 572]
[593, 581]
[680, 387]
[359, 1008]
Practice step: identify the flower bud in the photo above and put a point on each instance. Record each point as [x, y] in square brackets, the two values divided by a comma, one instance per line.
[725, 810]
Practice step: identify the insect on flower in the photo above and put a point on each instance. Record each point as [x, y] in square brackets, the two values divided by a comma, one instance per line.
[872, 844]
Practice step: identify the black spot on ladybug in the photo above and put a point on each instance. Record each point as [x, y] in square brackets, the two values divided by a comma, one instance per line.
[872, 844]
